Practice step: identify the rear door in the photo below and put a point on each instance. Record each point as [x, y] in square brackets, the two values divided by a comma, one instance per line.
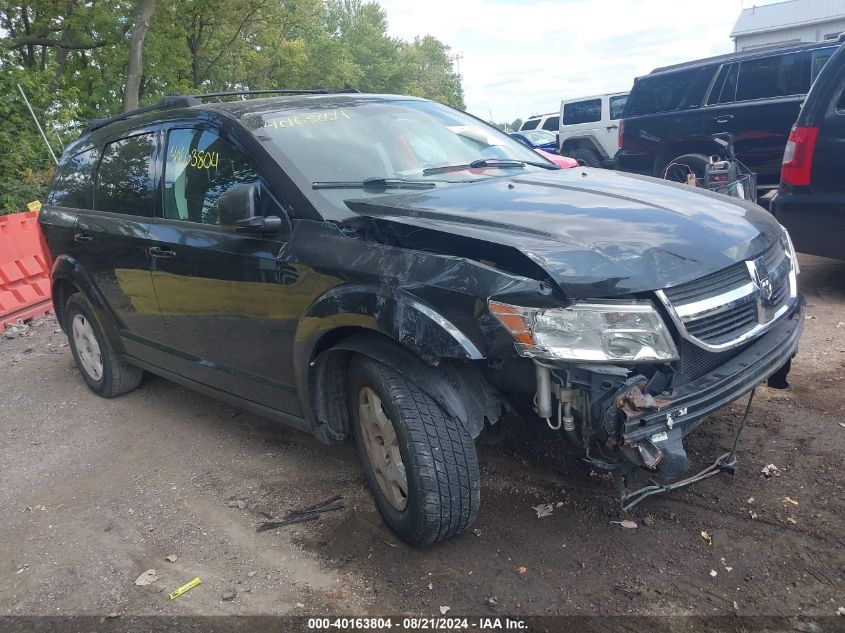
[615, 107]
[758, 101]
[584, 119]
[110, 239]
[220, 293]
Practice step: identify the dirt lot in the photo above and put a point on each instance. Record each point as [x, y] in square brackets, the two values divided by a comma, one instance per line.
[94, 492]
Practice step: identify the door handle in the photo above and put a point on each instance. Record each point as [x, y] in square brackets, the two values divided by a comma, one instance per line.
[724, 118]
[161, 253]
[612, 127]
[81, 237]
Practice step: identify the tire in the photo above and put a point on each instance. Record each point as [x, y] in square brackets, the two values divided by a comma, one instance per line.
[442, 487]
[696, 162]
[588, 157]
[114, 377]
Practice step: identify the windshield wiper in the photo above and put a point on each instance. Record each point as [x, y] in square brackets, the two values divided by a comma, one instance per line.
[481, 162]
[374, 183]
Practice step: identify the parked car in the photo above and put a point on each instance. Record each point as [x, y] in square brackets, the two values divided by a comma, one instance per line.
[588, 129]
[811, 197]
[404, 288]
[537, 139]
[564, 162]
[673, 112]
[547, 122]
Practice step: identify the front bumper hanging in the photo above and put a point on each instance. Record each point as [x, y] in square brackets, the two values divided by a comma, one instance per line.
[724, 463]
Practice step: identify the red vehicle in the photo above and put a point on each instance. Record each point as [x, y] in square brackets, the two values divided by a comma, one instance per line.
[564, 162]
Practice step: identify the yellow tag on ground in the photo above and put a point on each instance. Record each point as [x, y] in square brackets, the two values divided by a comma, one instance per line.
[35, 205]
[184, 588]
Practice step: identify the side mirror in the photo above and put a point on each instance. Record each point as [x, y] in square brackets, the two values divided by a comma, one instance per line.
[238, 204]
[238, 208]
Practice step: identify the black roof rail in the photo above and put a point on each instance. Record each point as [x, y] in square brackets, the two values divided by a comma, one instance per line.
[187, 101]
[168, 101]
[279, 91]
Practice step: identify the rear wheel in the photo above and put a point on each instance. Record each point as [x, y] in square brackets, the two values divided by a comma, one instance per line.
[103, 372]
[680, 167]
[420, 464]
[585, 155]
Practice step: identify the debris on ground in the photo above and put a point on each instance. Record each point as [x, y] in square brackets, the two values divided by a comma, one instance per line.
[14, 330]
[304, 515]
[787, 500]
[791, 520]
[648, 521]
[186, 587]
[252, 574]
[445, 610]
[543, 510]
[147, 578]
[628, 525]
[707, 537]
[714, 573]
[840, 611]
[492, 601]
[430, 586]
[770, 470]
[521, 570]
[229, 594]
[240, 504]
[171, 558]
[108, 616]
[477, 532]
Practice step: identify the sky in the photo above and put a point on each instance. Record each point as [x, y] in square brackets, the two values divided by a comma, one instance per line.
[522, 57]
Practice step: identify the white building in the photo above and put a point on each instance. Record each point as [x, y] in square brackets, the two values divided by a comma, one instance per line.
[789, 22]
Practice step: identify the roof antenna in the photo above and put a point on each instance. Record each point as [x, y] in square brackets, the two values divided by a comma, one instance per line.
[35, 118]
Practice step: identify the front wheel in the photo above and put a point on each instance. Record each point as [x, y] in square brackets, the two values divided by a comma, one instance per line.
[420, 464]
[678, 169]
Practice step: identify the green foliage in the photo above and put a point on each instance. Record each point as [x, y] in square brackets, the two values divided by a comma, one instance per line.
[71, 59]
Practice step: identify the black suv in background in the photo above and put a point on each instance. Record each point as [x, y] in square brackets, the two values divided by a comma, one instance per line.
[406, 287]
[673, 112]
[811, 198]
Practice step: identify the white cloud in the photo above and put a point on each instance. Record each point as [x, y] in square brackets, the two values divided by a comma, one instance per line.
[522, 58]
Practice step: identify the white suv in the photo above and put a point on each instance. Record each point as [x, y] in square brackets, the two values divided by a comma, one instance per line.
[589, 127]
[541, 122]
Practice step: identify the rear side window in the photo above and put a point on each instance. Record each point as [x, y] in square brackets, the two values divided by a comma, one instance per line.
[124, 184]
[776, 76]
[617, 106]
[588, 111]
[73, 185]
[670, 91]
[818, 60]
[530, 124]
[199, 167]
[552, 124]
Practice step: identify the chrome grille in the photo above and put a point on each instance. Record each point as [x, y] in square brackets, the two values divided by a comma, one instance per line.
[723, 309]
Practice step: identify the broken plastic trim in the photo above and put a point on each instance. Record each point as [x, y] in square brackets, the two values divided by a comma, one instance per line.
[724, 463]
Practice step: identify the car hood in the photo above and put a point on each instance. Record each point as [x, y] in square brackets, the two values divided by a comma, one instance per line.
[597, 233]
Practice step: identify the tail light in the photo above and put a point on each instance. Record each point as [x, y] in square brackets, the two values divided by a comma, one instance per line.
[798, 156]
[621, 139]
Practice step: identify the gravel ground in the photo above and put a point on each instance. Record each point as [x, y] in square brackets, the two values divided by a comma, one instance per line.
[94, 492]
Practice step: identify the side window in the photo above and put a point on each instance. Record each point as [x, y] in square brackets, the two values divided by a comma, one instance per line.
[74, 184]
[582, 112]
[728, 92]
[552, 124]
[530, 124]
[123, 180]
[776, 76]
[666, 92]
[617, 106]
[199, 167]
[818, 60]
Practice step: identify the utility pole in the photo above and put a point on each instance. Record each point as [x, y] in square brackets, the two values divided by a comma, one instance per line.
[35, 118]
[458, 57]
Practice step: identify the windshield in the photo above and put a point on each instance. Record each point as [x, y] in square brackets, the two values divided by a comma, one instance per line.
[539, 137]
[360, 140]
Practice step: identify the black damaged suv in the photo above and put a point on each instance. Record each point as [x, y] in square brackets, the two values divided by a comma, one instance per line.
[406, 285]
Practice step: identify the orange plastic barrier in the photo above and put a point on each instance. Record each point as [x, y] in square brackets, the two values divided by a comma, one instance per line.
[24, 269]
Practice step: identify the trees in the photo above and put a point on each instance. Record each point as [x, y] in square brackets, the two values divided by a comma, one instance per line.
[80, 60]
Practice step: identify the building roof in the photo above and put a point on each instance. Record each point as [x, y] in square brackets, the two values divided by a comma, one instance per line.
[781, 15]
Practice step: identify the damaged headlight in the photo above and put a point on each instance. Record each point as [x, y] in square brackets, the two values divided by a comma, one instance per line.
[594, 331]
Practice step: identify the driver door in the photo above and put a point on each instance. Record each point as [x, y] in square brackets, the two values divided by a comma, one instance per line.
[220, 292]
